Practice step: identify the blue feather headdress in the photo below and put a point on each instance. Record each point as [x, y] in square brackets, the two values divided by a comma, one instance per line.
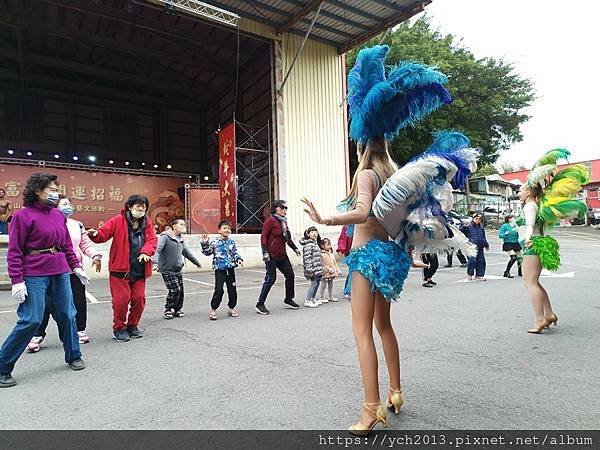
[381, 106]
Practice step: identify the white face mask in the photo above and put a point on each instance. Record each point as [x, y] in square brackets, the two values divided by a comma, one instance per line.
[137, 214]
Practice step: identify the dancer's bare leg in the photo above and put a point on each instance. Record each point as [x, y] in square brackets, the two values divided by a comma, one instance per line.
[531, 277]
[363, 310]
[389, 341]
[548, 312]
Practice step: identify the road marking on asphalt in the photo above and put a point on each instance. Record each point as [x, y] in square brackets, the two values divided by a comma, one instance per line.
[90, 297]
[249, 288]
[487, 277]
[262, 272]
[546, 274]
[6, 312]
[581, 236]
[199, 282]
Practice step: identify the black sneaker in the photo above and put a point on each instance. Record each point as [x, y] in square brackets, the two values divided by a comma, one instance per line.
[6, 380]
[464, 265]
[134, 332]
[448, 265]
[179, 314]
[427, 284]
[291, 304]
[262, 309]
[121, 335]
[78, 364]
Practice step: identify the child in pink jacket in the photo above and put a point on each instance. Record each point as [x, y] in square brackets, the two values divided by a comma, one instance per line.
[82, 245]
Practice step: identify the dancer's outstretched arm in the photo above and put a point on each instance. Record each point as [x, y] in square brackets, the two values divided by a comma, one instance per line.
[360, 213]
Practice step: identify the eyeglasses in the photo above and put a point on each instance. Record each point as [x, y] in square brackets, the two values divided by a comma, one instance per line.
[282, 207]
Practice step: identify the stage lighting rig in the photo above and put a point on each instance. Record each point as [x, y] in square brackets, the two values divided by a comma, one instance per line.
[200, 9]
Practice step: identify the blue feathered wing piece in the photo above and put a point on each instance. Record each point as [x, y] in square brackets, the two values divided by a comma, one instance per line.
[380, 105]
[413, 203]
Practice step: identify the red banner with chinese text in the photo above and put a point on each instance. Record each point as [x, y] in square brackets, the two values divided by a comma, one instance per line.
[97, 196]
[205, 210]
[227, 178]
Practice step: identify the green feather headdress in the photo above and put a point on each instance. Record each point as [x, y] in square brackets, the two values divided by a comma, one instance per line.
[558, 200]
[545, 166]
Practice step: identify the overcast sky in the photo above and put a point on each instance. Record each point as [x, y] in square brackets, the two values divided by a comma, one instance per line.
[550, 42]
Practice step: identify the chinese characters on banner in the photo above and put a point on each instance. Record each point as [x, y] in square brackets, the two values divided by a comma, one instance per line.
[97, 196]
[227, 178]
[205, 210]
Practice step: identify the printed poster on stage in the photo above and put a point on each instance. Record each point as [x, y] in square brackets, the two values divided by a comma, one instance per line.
[205, 210]
[98, 196]
[227, 178]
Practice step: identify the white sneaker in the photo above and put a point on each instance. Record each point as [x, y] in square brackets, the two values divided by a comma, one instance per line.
[35, 344]
[324, 300]
[333, 299]
[83, 337]
[307, 303]
[311, 304]
[318, 302]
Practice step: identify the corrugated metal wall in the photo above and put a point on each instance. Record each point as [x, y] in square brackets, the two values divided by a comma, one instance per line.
[314, 136]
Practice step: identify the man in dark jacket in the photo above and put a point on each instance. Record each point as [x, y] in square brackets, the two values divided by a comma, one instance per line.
[475, 232]
[273, 239]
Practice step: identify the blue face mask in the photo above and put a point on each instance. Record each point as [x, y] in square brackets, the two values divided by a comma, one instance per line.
[67, 211]
[52, 198]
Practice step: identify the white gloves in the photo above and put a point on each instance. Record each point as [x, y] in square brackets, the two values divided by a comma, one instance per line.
[85, 280]
[19, 292]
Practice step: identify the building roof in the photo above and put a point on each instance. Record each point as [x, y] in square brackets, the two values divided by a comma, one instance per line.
[343, 24]
[593, 166]
[498, 178]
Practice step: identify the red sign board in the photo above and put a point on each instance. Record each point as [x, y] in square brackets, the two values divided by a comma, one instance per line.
[227, 179]
[97, 196]
[205, 210]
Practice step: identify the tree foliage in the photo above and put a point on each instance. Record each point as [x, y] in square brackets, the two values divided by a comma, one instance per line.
[489, 97]
[486, 169]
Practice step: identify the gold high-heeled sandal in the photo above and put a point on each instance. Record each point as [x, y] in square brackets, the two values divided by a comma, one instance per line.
[538, 329]
[396, 400]
[380, 415]
[553, 319]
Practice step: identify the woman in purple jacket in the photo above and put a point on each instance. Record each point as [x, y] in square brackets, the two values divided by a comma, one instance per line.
[40, 259]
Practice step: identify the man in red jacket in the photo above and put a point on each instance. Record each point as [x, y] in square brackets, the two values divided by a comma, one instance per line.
[134, 243]
[273, 239]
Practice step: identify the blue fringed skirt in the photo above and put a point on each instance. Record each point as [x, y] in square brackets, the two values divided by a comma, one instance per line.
[384, 264]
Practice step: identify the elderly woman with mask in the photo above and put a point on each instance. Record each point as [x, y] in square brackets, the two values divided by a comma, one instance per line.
[82, 245]
[40, 260]
[130, 263]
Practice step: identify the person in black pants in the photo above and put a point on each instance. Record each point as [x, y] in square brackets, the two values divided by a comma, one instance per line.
[273, 239]
[225, 259]
[460, 256]
[431, 260]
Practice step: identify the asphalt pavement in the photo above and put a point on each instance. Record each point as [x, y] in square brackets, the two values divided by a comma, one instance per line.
[467, 360]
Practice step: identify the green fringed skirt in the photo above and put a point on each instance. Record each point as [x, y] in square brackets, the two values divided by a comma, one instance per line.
[545, 248]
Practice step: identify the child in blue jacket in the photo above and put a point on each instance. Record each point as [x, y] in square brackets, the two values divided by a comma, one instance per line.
[225, 260]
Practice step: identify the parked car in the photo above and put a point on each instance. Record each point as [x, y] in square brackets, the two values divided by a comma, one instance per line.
[593, 216]
[457, 219]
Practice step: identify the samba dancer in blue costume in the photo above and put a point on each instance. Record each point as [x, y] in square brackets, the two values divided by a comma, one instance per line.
[408, 205]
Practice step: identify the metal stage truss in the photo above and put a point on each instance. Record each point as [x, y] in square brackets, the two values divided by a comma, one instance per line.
[254, 173]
